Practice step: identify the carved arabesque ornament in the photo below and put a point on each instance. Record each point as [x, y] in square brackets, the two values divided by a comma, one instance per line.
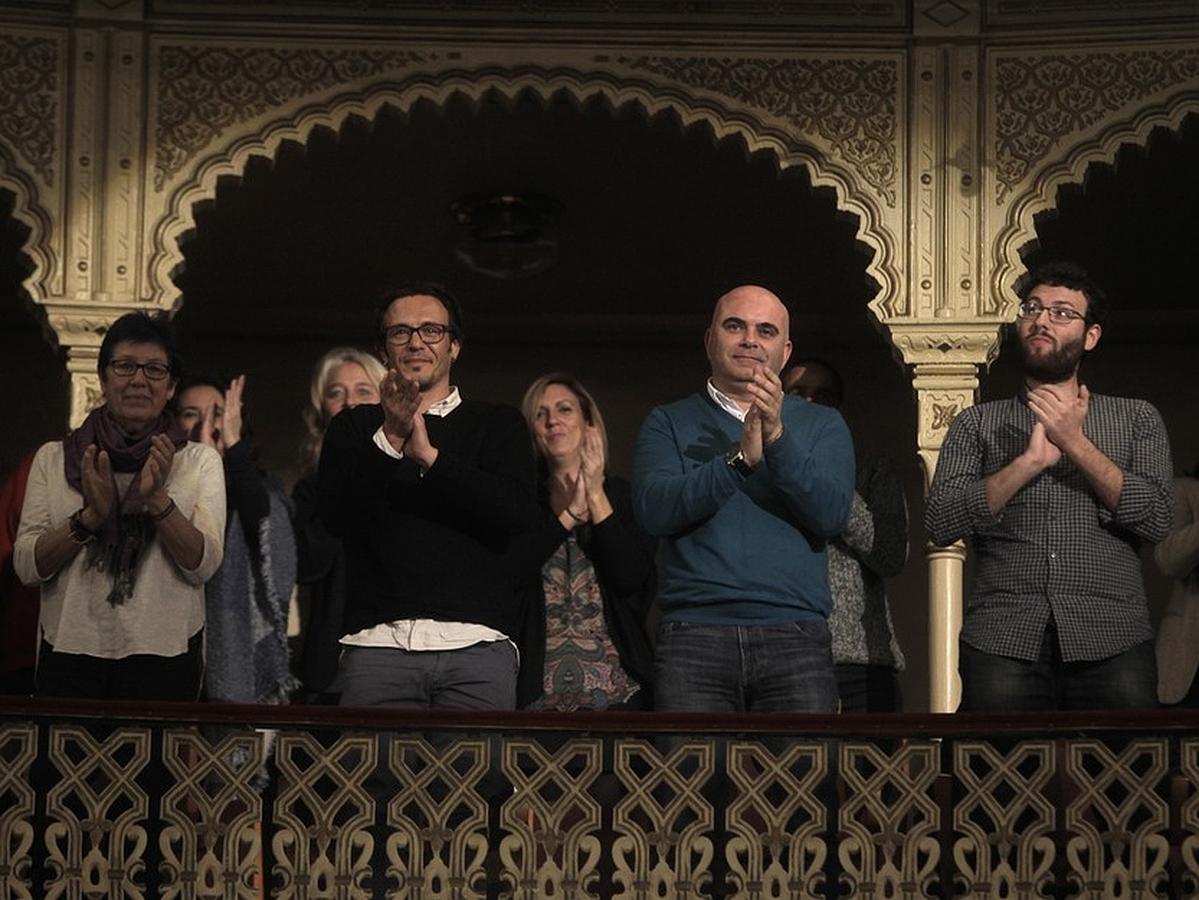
[1040, 101]
[29, 99]
[848, 103]
[958, 344]
[204, 90]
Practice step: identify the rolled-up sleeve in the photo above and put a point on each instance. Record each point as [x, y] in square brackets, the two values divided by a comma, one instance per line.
[1146, 505]
[35, 520]
[207, 513]
[957, 501]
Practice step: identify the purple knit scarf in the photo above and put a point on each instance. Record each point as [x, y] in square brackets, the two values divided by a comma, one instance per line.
[126, 530]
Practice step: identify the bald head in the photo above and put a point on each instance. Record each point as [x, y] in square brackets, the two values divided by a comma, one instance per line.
[750, 330]
[760, 298]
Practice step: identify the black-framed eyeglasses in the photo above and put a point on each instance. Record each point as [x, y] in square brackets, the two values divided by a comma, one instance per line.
[1030, 309]
[127, 368]
[430, 333]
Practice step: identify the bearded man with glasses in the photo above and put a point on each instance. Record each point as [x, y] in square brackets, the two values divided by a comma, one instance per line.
[425, 489]
[1056, 488]
[123, 523]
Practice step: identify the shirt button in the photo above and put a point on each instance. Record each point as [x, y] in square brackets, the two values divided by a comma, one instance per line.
[1053, 554]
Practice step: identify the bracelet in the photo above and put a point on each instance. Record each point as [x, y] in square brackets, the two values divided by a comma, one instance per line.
[170, 508]
[774, 440]
[570, 512]
[80, 533]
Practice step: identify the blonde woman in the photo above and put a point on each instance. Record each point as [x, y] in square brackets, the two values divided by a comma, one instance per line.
[343, 378]
[589, 569]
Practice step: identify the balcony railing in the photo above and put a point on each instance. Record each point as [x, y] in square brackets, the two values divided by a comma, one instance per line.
[196, 801]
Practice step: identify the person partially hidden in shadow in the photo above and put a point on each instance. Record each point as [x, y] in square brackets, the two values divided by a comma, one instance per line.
[873, 547]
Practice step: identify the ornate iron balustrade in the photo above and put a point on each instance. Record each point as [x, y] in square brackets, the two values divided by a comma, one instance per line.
[184, 801]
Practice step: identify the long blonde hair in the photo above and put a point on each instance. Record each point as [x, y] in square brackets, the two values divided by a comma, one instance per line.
[314, 413]
[587, 404]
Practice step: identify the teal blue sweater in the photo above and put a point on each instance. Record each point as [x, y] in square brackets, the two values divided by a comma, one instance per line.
[742, 551]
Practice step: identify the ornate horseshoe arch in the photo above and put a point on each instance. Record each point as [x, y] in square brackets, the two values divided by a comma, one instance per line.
[27, 210]
[230, 158]
[1019, 229]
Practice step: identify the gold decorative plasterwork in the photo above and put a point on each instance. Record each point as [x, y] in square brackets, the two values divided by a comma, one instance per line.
[437, 817]
[1118, 103]
[946, 344]
[228, 156]
[29, 99]
[204, 90]
[942, 408]
[850, 103]
[1042, 100]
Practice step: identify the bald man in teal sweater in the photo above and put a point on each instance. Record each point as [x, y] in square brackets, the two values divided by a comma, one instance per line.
[746, 484]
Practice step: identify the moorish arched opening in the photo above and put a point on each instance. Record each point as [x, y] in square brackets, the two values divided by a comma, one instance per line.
[33, 363]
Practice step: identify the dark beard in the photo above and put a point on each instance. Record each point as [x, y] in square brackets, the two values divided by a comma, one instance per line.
[1055, 367]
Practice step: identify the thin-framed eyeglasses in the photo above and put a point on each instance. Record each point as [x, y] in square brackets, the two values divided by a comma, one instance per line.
[430, 333]
[1030, 309]
[127, 368]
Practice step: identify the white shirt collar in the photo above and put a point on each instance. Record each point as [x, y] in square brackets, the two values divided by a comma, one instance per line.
[446, 404]
[725, 402]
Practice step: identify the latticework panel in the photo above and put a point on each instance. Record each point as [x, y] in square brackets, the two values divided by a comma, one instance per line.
[96, 841]
[1117, 819]
[888, 844]
[437, 818]
[18, 749]
[663, 844]
[211, 836]
[777, 819]
[552, 845]
[1003, 820]
[1189, 851]
[323, 842]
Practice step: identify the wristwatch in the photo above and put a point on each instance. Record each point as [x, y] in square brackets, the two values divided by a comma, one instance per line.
[80, 533]
[735, 459]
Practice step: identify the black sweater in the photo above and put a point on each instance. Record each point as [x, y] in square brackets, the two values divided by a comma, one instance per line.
[430, 547]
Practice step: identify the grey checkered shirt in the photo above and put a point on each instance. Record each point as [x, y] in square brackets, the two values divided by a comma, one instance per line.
[1054, 548]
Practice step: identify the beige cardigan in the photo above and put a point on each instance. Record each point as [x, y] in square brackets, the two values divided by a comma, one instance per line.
[1178, 634]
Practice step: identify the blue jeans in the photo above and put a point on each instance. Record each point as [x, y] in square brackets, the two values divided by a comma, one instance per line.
[744, 668]
[993, 683]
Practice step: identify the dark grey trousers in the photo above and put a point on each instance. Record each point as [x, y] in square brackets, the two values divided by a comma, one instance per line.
[481, 676]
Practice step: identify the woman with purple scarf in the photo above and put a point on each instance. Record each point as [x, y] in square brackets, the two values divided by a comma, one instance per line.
[123, 523]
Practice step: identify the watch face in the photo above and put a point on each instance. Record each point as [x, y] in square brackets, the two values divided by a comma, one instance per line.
[736, 460]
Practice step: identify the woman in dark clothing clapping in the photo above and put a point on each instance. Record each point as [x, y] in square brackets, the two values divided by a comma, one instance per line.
[589, 570]
[343, 378]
